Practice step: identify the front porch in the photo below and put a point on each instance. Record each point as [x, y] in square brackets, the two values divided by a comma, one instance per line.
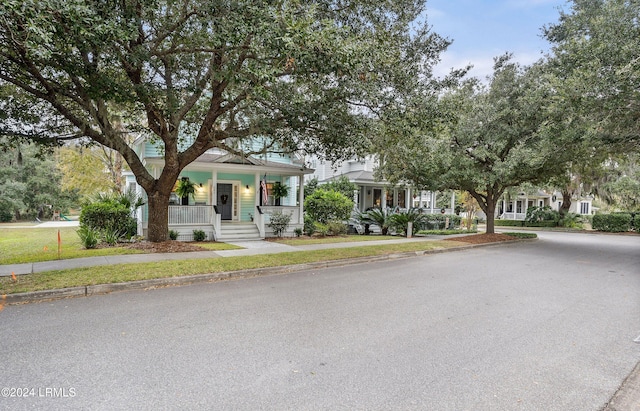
[185, 219]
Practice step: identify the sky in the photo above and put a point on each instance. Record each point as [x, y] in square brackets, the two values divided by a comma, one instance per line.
[484, 29]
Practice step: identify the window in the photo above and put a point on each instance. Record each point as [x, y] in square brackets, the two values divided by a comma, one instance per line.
[584, 208]
[519, 206]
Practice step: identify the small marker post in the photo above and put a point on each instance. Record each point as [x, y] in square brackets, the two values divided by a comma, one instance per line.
[59, 244]
[13, 276]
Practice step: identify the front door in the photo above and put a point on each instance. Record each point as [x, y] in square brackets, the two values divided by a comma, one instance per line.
[225, 200]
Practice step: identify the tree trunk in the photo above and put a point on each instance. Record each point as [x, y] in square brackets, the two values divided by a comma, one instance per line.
[566, 202]
[158, 217]
[491, 215]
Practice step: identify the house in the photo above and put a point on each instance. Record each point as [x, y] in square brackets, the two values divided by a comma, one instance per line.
[228, 203]
[515, 208]
[373, 193]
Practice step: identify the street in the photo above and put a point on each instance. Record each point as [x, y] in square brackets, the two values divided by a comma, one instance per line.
[541, 325]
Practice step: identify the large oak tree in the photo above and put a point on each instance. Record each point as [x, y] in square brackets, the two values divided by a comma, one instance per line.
[192, 75]
[488, 139]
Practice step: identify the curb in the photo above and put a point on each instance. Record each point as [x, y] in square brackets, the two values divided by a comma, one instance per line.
[628, 395]
[99, 289]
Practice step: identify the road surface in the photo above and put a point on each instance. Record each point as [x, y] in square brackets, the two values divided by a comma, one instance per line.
[544, 325]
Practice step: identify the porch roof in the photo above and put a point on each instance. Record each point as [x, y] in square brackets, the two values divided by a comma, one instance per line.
[232, 162]
[358, 177]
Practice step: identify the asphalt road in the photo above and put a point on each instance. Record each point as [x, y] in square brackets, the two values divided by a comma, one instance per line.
[545, 325]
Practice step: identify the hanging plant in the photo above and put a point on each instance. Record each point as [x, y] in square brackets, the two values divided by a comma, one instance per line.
[279, 191]
[186, 188]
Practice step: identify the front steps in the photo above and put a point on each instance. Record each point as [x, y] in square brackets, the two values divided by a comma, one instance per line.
[238, 232]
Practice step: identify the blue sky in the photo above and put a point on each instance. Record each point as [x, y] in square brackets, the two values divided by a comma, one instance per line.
[483, 29]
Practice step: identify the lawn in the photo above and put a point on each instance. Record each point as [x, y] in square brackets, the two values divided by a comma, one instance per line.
[30, 245]
[131, 272]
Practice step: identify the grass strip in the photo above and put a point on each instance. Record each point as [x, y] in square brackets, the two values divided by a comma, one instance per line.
[52, 280]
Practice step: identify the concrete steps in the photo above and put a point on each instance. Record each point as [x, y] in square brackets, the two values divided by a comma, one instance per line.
[238, 232]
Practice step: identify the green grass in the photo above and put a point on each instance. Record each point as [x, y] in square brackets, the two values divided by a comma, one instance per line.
[30, 245]
[333, 239]
[131, 272]
[522, 235]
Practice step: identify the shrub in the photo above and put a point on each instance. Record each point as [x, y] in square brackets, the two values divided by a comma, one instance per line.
[328, 205]
[279, 222]
[613, 223]
[509, 223]
[321, 229]
[540, 224]
[522, 235]
[336, 228]
[111, 236]
[88, 236]
[400, 221]
[378, 217]
[570, 220]
[636, 222]
[199, 235]
[173, 235]
[535, 214]
[439, 221]
[309, 225]
[109, 215]
[298, 231]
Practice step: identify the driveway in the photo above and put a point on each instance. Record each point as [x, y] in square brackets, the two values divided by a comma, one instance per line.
[544, 325]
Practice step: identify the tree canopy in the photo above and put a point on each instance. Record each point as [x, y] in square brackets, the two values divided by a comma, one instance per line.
[209, 73]
[492, 138]
[595, 54]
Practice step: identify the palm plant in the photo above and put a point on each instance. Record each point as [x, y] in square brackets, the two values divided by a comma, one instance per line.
[378, 217]
[400, 221]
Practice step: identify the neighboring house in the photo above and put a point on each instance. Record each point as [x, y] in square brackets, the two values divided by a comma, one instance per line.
[228, 203]
[516, 208]
[372, 193]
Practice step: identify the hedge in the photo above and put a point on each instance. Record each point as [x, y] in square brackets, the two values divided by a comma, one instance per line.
[109, 216]
[636, 222]
[509, 223]
[544, 223]
[613, 223]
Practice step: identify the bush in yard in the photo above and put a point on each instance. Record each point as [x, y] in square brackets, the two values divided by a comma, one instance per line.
[89, 237]
[546, 213]
[439, 221]
[336, 228]
[328, 205]
[309, 225]
[173, 235]
[109, 215]
[199, 235]
[400, 221]
[279, 222]
[614, 223]
[636, 222]
[378, 217]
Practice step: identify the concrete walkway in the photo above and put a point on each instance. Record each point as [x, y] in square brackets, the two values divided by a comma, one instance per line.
[249, 248]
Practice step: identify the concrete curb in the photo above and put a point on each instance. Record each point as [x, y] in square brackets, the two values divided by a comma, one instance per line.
[628, 396]
[98, 289]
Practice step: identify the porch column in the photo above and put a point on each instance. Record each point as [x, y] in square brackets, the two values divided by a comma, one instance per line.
[214, 187]
[420, 202]
[301, 198]
[432, 201]
[453, 202]
[408, 200]
[383, 202]
[256, 199]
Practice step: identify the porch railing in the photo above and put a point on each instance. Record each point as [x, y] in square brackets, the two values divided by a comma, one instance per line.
[294, 211]
[187, 215]
[513, 216]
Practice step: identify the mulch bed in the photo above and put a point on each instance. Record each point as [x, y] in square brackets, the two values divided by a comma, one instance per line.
[164, 247]
[482, 238]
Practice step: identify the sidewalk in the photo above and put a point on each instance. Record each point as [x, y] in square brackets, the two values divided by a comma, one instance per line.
[249, 248]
